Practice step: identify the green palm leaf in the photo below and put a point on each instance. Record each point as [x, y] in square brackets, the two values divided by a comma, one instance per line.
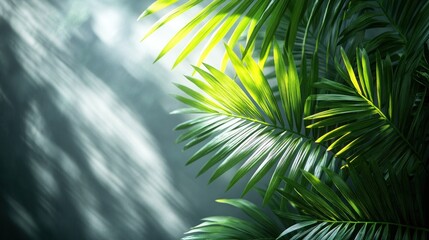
[370, 207]
[314, 48]
[366, 104]
[227, 17]
[399, 28]
[260, 226]
[246, 125]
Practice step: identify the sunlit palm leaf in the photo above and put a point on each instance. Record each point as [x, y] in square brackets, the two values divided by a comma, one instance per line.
[365, 106]
[158, 6]
[371, 207]
[246, 125]
[260, 226]
[227, 17]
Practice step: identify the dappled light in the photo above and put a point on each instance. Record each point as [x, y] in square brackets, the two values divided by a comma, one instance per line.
[88, 139]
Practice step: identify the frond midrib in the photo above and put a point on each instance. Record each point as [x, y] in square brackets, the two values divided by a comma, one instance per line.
[393, 126]
[392, 23]
[281, 128]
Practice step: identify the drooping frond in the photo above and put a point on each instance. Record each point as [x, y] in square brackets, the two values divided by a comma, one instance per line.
[361, 118]
[260, 226]
[370, 206]
[245, 123]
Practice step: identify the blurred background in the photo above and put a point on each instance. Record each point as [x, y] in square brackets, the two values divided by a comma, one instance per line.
[87, 143]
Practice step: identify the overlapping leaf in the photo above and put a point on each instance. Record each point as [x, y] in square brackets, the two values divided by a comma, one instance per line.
[359, 117]
[260, 226]
[399, 28]
[244, 124]
[368, 207]
[374, 108]
[315, 47]
[226, 18]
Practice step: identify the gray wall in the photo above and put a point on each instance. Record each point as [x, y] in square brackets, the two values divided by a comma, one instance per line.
[87, 146]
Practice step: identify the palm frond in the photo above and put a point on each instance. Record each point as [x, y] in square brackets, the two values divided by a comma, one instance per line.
[315, 48]
[245, 123]
[227, 17]
[318, 37]
[367, 105]
[371, 206]
[260, 226]
[399, 28]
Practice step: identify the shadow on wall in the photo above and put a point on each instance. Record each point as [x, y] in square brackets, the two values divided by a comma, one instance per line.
[85, 131]
[77, 162]
[14, 174]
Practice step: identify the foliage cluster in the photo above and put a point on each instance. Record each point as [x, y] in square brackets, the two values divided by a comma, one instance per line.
[328, 100]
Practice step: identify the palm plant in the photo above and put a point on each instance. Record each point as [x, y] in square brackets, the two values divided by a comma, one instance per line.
[328, 100]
